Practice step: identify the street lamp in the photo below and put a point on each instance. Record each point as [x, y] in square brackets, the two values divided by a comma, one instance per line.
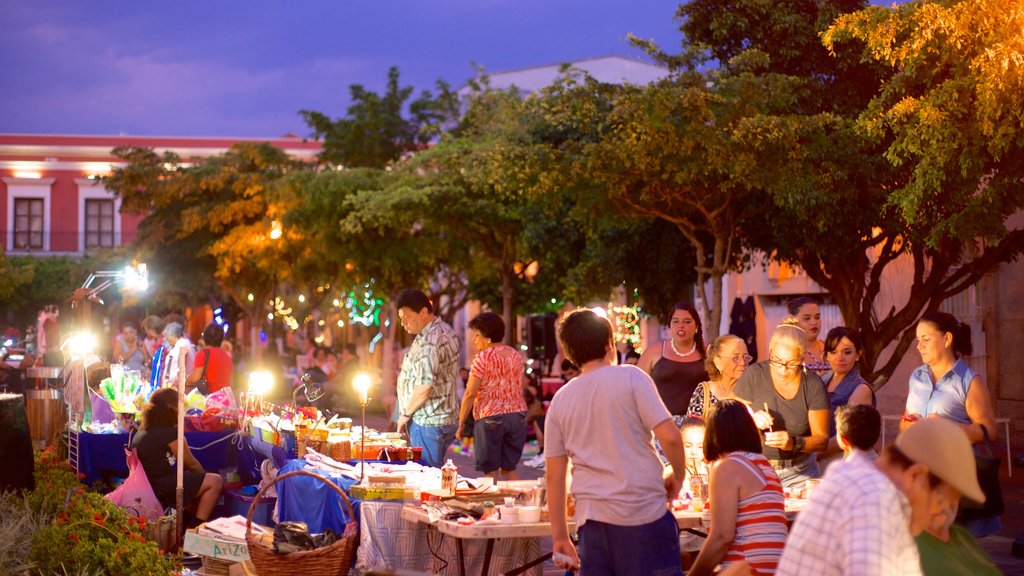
[361, 384]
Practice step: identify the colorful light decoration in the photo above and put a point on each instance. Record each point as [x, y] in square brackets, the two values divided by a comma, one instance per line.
[626, 324]
[364, 309]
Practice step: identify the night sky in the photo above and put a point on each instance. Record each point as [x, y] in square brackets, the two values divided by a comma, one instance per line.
[245, 68]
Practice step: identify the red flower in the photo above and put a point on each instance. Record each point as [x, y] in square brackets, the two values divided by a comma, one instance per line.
[73, 537]
[80, 476]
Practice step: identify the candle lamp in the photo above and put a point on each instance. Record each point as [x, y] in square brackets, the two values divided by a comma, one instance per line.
[361, 384]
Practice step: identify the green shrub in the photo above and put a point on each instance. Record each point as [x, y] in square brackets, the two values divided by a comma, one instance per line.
[86, 533]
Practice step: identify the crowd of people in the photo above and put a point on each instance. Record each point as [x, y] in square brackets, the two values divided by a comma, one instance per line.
[640, 430]
[766, 429]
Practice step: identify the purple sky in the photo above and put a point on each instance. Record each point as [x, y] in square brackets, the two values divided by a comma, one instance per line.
[245, 68]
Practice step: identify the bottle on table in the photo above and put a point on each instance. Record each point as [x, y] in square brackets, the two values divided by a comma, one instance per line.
[449, 477]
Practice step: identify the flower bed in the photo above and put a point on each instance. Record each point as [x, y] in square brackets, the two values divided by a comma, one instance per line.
[80, 532]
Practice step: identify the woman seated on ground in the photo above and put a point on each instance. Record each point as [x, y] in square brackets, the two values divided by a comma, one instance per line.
[495, 397]
[157, 446]
[791, 406]
[747, 507]
[727, 359]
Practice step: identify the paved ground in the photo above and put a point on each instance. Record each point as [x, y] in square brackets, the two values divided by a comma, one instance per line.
[998, 546]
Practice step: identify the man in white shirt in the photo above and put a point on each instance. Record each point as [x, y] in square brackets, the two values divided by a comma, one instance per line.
[863, 516]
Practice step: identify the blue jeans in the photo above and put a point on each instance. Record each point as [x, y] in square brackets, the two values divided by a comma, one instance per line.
[650, 549]
[499, 441]
[434, 440]
[795, 476]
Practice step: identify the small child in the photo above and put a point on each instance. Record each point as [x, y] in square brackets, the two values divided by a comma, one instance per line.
[858, 427]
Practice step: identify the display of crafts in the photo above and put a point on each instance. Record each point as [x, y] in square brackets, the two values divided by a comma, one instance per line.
[124, 390]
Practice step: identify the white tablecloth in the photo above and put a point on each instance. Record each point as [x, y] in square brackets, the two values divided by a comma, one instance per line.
[386, 541]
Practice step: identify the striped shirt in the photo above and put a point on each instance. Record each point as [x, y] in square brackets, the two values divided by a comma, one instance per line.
[760, 519]
[500, 370]
[432, 360]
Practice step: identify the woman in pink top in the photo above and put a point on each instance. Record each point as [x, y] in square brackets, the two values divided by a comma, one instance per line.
[746, 504]
[495, 395]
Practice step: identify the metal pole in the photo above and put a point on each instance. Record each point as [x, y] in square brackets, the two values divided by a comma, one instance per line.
[362, 446]
[179, 491]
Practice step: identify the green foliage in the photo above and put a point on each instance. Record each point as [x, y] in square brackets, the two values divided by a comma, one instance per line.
[211, 219]
[84, 533]
[953, 112]
[379, 129]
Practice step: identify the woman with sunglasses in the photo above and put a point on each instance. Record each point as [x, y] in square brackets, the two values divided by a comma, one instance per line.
[790, 406]
[726, 361]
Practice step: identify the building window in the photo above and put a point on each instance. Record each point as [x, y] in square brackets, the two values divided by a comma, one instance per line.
[28, 223]
[99, 223]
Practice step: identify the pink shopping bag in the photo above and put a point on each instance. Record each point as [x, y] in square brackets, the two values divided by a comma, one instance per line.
[136, 495]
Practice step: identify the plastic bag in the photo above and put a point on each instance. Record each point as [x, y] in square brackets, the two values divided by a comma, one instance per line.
[223, 400]
[136, 494]
[292, 537]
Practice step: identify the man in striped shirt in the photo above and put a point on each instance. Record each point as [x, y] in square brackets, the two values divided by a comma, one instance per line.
[427, 398]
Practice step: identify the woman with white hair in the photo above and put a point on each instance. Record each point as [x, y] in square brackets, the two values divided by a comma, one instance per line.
[790, 406]
[181, 355]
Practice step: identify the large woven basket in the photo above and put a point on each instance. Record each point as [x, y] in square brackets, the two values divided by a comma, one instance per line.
[335, 559]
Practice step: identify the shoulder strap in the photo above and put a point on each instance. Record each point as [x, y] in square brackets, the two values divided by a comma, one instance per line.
[205, 363]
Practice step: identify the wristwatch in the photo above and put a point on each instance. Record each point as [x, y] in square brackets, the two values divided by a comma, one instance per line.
[404, 415]
[798, 443]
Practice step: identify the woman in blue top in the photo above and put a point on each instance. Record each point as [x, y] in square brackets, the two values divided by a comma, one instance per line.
[843, 382]
[947, 387]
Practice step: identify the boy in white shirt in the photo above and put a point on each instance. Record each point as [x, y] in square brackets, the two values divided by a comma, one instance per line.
[602, 421]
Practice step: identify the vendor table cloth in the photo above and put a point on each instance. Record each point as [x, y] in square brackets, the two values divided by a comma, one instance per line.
[389, 541]
[101, 456]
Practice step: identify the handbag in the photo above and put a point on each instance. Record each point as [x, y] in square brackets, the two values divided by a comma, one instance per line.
[204, 385]
[988, 466]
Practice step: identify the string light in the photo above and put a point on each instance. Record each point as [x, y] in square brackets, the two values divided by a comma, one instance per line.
[626, 324]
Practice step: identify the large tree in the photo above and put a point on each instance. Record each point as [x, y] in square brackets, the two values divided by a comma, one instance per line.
[378, 129]
[209, 224]
[950, 122]
[899, 203]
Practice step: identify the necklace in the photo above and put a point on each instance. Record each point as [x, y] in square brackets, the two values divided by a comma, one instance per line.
[676, 350]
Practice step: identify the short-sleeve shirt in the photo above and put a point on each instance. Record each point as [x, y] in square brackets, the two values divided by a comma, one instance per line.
[947, 397]
[856, 522]
[603, 421]
[500, 370]
[182, 346]
[219, 367]
[961, 556]
[755, 386]
[432, 360]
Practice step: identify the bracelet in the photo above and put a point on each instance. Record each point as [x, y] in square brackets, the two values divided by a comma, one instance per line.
[404, 415]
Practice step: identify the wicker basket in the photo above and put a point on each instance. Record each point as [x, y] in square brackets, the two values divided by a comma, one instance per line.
[333, 560]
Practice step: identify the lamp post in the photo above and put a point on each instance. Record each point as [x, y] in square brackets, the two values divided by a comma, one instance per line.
[361, 384]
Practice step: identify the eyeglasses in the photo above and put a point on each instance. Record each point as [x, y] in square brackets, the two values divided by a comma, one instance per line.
[744, 359]
[786, 365]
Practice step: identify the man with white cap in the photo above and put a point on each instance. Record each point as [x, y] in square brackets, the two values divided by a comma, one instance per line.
[864, 515]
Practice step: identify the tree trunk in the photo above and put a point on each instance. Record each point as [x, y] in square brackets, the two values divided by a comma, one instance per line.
[15, 445]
